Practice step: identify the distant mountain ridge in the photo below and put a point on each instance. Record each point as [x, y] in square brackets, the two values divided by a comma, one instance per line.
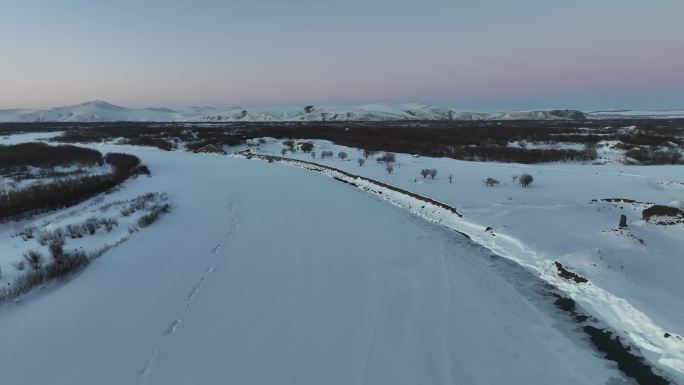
[101, 111]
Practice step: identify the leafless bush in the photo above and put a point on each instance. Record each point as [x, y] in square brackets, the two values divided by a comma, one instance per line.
[342, 155]
[141, 202]
[57, 252]
[389, 168]
[20, 265]
[361, 161]
[313, 154]
[387, 158]
[140, 170]
[283, 151]
[109, 223]
[490, 182]
[433, 173]
[425, 172]
[306, 147]
[525, 180]
[75, 231]
[369, 153]
[327, 154]
[91, 225]
[290, 144]
[156, 212]
[27, 233]
[54, 236]
[70, 263]
[34, 259]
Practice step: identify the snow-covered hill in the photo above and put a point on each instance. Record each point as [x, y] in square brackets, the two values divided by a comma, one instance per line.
[543, 115]
[100, 111]
[661, 114]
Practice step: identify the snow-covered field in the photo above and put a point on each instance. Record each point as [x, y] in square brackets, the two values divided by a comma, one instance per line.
[557, 219]
[266, 273]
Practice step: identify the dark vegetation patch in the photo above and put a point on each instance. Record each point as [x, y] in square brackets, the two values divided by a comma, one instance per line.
[662, 210]
[67, 191]
[467, 140]
[64, 265]
[43, 155]
[155, 213]
[655, 155]
[151, 142]
[623, 200]
[665, 215]
[569, 275]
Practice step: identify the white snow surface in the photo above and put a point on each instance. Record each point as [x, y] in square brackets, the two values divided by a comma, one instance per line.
[638, 285]
[270, 274]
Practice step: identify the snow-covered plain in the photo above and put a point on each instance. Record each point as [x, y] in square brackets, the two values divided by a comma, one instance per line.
[269, 274]
[556, 219]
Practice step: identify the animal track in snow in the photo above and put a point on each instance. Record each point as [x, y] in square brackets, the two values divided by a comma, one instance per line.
[150, 360]
[198, 286]
[172, 327]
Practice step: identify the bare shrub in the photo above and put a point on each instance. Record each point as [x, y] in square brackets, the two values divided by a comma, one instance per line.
[109, 223]
[525, 180]
[361, 161]
[27, 233]
[369, 153]
[57, 252]
[91, 225]
[490, 182]
[389, 168]
[433, 173]
[34, 259]
[70, 263]
[141, 170]
[425, 172]
[283, 151]
[342, 155]
[156, 212]
[387, 158]
[47, 236]
[75, 231]
[306, 147]
[20, 265]
[313, 154]
[326, 154]
[290, 144]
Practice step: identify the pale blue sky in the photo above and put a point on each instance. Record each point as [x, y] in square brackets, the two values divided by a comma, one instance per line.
[484, 55]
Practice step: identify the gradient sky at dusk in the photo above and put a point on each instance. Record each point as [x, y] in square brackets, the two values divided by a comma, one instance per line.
[472, 54]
